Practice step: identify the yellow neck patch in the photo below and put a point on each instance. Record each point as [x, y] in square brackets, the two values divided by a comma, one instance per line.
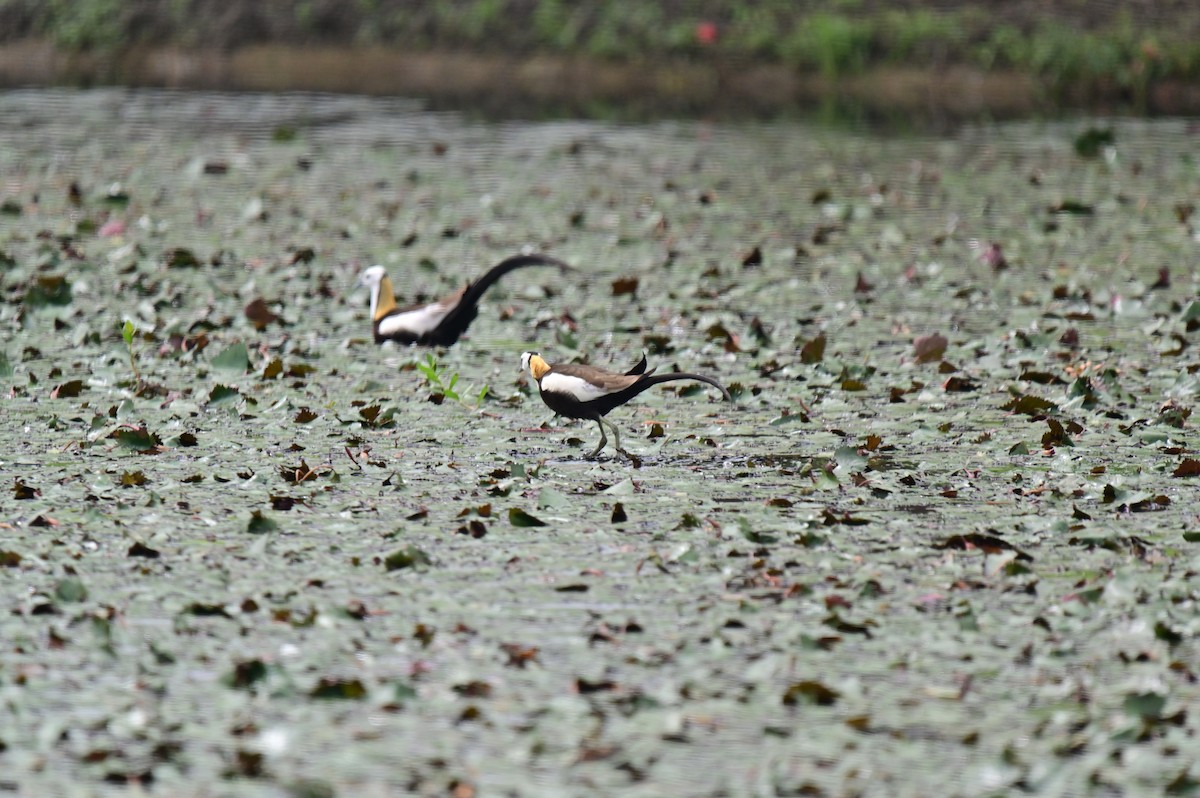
[538, 366]
[385, 302]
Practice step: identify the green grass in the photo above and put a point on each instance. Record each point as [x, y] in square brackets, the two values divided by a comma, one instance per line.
[1101, 46]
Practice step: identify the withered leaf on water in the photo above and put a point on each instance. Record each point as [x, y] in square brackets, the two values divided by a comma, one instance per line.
[474, 528]
[960, 385]
[929, 348]
[23, 492]
[989, 544]
[1029, 405]
[1042, 378]
[1188, 468]
[259, 314]
[67, 390]
[300, 473]
[246, 673]
[1057, 436]
[183, 440]
[339, 689]
[519, 656]
[140, 549]
[180, 258]
[809, 692]
[837, 623]
[302, 255]
[813, 350]
[282, 503]
[625, 286]
[831, 517]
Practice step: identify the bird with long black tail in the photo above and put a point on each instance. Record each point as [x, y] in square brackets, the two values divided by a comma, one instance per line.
[436, 323]
[587, 392]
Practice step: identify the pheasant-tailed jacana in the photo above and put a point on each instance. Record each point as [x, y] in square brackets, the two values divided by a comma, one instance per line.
[437, 323]
[578, 391]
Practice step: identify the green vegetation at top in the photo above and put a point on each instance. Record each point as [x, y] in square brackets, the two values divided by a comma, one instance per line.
[1062, 43]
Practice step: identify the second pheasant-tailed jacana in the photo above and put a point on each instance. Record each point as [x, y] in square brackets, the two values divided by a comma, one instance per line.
[578, 391]
[436, 323]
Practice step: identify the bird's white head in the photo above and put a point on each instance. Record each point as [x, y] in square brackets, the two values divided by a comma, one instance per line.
[534, 363]
[383, 301]
[372, 277]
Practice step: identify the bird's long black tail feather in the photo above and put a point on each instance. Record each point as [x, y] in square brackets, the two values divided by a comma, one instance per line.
[655, 379]
[463, 314]
[640, 368]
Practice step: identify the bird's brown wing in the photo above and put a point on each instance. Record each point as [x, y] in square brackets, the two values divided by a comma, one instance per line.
[453, 299]
[606, 380]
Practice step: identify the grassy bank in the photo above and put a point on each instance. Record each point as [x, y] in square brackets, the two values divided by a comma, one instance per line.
[1104, 50]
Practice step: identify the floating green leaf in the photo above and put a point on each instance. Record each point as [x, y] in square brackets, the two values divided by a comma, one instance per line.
[222, 394]
[518, 517]
[261, 523]
[551, 499]
[407, 557]
[70, 590]
[180, 258]
[234, 358]
[1147, 706]
[1090, 142]
[246, 674]
[48, 292]
[138, 439]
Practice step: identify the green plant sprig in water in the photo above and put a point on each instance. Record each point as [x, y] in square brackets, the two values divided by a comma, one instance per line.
[444, 384]
[127, 333]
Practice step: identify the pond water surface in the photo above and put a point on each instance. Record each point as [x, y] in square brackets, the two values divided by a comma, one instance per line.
[943, 542]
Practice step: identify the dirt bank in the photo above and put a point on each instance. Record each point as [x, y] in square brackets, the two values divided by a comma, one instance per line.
[543, 57]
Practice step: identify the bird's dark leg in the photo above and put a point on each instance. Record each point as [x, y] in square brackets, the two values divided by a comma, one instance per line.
[616, 434]
[603, 439]
[637, 461]
[634, 459]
